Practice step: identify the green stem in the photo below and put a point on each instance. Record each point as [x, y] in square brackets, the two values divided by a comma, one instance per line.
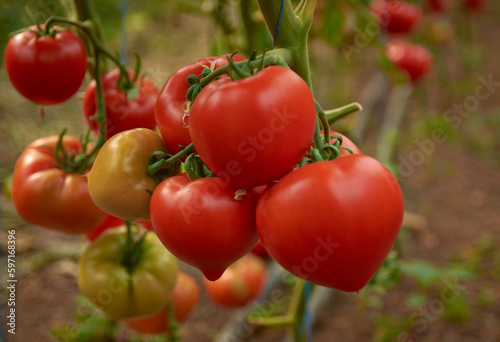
[100, 116]
[172, 324]
[248, 23]
[290, 24]
[164, 164]
[129, 247]
[324, 123]
[294, 313]
[338, 113]
[293, 32]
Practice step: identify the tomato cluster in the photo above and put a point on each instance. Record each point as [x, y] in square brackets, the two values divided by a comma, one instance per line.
[240, 161]
[398, 19]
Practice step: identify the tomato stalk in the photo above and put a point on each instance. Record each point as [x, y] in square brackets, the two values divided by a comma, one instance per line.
[294, 30]
[133, 249]
[98, 47]
[333, 115]
[81, 163]
[293, 316]
[172, 324]
[161, 165]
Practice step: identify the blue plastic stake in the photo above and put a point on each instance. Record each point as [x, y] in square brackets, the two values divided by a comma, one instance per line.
[275, 38]
[123, 32]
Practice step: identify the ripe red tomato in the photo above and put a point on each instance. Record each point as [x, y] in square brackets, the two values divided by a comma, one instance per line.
[202, 223]
[185, 296]
[47, 196]
[122, 114]
[252, 131]
[241, 283]
[396, 16]
[171, 105]
[332, 222]
[46, 70]
[439, 6]
[416, 60]
[260, 250]
[111, 222]
[474, 5]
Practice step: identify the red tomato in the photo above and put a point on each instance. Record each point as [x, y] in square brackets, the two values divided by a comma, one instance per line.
[332, 222]
[254, 130]
[111, 222]
[47, 196]
[396, 16]
[171, 105]
[346, 142]
[260, 250]
[185, 296]
[46, 70]
[414, 59]
[241, 283]
[474, 5]
[439, 5]
[122, 114]
[202, 223]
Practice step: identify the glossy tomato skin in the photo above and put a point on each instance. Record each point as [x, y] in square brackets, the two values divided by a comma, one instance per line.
[254, 130]
[185, 296]
[171, 104]
[202, 223]
[47, 196]
[241, 283]
[118, 181]
[416, 60]
[332, 222]
[397, 16]
[122, 114]
[46, 70]
[123, 292]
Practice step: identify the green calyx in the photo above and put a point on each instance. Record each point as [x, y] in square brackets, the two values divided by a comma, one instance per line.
[74, 163]
[127, 84]
[237, 70]
[195, 168]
